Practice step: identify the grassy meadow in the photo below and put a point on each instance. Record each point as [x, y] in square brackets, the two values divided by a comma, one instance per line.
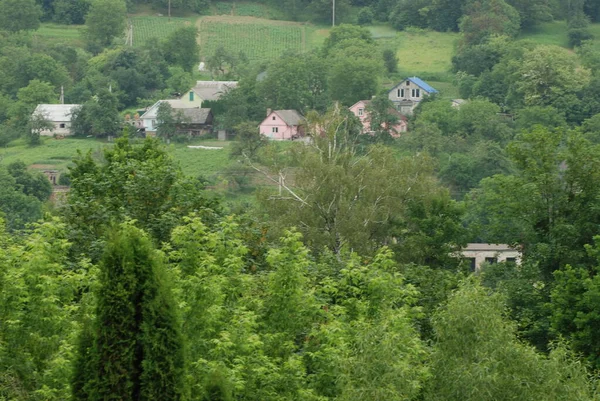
[59, 34]
[59, 153]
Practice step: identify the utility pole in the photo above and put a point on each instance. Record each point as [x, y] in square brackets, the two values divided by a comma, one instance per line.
[333, 15]
[169, 10]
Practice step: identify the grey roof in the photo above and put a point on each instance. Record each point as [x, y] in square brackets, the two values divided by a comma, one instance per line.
[56, 112]
[488, 247]
[291, 117]
[213, 90]
[195, 115]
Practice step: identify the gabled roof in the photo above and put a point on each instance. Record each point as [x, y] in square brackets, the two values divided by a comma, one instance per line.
[55, 112]
[195, 115]
[365, 102]
[213, 90]
[153, 110]
[420, 83]
[290, 117]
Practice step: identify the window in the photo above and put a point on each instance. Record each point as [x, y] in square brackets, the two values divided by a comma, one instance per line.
[273, 118]
[361, 112]
[399, 92]
[413, 93]
[418, 92]
[153, 123]
[62, 125]
[275, 130]
[491, 260]
[191, 96]
[511, 260]
[402, 93]
[407, 83]
[471, 263]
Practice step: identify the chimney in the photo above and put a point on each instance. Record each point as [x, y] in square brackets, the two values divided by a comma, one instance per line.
[268, 112]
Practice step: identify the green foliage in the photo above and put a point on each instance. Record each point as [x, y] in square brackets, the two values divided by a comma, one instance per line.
[19, 15]
[365, 16]
[544, 206]
[138, 350]
[98, 116]
[390, 61]
[31, 183]
[181, 48]
[104, 21]
[297, 82]
[139, 182]
[248, 142]
[477, 356]
[487, 18]
[42, 299]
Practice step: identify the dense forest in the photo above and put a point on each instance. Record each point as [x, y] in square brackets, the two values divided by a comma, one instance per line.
[341, 277]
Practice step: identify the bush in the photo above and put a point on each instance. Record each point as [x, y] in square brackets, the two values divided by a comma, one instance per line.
[578, 35]
[365, 16]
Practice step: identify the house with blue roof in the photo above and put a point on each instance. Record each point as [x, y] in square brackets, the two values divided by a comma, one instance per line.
[407, 94]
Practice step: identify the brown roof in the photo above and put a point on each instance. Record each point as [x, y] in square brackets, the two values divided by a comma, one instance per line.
[195, 115]
[290, 117]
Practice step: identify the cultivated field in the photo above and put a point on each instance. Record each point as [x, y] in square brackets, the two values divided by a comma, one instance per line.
[147, 27]
[259, 39]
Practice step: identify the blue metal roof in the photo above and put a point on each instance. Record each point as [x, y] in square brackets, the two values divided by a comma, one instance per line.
[418, 81]
[423, 84]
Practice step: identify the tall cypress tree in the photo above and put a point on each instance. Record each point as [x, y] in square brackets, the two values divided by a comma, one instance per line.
[138, 349]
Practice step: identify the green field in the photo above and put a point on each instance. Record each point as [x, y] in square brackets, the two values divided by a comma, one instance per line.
[555, 33]
[58, 154]
[147, 27]
[59, 34]
[246, 9]
[259, 39]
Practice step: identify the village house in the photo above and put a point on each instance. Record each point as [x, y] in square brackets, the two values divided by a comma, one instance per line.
[407, 94]
[207, 91]
[359, 109]
[478, 254]
[59, 115]
[195, 120]
[281, 125]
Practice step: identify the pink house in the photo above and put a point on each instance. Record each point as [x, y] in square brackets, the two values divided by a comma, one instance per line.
[281, 125]
[359, 109]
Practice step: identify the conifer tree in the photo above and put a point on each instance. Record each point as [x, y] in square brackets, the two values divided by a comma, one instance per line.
[138, 349]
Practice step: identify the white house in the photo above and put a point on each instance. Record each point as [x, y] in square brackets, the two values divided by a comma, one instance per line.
[477, 254]
[59, 115]
[407, 94]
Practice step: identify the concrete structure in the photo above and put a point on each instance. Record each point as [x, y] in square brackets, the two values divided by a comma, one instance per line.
[359, 109]
[59, 115]
[281, 125]
[458, 102]
[477, 254]
[407, 94]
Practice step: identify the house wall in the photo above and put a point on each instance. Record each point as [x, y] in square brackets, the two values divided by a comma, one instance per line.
[284, 131]
[480, 256]
[407, 90]
[355, 109]
[65, 130]
[195, 102]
